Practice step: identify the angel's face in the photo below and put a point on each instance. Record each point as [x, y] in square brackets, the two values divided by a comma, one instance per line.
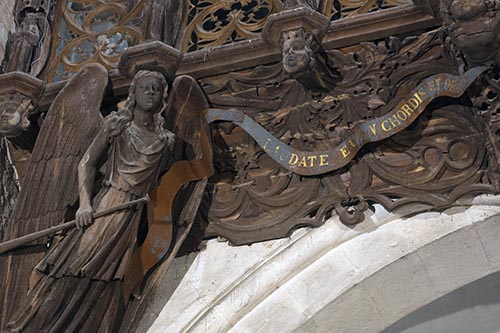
[148, 94]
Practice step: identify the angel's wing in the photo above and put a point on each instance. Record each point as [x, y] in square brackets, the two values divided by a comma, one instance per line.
[186, 117]
[50, 185]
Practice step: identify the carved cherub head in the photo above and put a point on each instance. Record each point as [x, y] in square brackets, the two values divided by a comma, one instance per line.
[14, 115]
[474, 28]
[296, 48]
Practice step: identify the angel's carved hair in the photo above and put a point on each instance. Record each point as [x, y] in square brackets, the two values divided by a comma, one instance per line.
[121, 119]
[130, 103]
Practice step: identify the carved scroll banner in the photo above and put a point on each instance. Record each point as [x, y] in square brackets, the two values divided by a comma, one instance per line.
[319, 162]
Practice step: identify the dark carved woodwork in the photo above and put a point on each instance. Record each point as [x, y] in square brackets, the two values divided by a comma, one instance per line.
[152, 56]
[19, 95]
[52, 166]
[260, 200]
[28, 48]
[161, 20]
[308, 79]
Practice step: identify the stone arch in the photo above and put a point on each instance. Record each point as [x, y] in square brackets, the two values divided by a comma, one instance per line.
[334, 278]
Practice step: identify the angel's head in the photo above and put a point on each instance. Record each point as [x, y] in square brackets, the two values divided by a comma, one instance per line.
[148, 92]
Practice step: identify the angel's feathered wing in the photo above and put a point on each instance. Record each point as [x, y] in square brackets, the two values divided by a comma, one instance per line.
[50, 185]
[186, 117]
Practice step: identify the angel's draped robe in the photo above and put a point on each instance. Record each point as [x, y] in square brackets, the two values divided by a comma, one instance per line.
[77, 287]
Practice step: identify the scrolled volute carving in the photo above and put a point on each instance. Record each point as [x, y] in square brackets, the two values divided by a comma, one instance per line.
[351, 210]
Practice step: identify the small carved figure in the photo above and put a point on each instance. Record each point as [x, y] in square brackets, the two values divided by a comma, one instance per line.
[25, 45]
[163, 20]
[78, 286]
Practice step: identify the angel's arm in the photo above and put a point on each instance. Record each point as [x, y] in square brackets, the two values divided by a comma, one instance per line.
[86, 175]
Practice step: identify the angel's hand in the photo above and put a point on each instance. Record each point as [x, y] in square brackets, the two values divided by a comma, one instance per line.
[84, 217]
[170, 138]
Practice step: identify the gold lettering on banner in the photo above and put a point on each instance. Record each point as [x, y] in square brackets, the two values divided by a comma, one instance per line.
[414, 103]
[344, 151]
[431, 85]
[385, 126]
[323, 160]
[371, 130]
[418, 98]
[294, 159]
[422, 93]
[312, 160]
[407, 108]
[438, 84]
[308, 161]
[450, 85]
[402, 115]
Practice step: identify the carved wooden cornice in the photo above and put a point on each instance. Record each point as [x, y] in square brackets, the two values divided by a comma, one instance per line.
[155, 56]
[22, 83]
[254, 52]
[342, 33]
[298, 18]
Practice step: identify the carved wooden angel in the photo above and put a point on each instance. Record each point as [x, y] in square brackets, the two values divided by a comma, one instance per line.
[80, 284]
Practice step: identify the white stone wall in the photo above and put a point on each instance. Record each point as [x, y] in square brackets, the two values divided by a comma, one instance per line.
[7, 23]
[334, 278]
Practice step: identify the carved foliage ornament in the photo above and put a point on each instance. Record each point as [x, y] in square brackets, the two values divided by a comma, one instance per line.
[211, 23]
[337, 9]
[438, 159]
[319, 162]
[93, 31]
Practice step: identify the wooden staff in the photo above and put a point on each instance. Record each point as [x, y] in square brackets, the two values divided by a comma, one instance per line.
[16, 242]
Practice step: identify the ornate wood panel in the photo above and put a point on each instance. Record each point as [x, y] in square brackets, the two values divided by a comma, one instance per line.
[88, 31]
[211, 22]
[434, 163]
[337, 9]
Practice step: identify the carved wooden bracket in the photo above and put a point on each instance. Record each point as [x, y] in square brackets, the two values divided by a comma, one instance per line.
[303, 17]
[25, 84]
[155, 56]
